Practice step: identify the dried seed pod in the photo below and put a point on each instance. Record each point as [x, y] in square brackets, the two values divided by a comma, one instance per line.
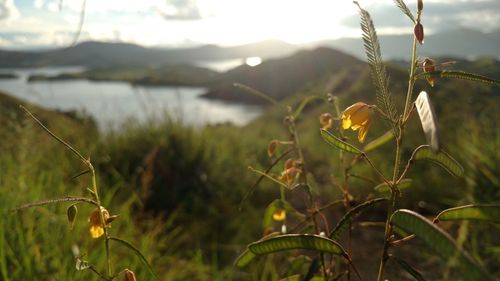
[271, 148]
[418, 30]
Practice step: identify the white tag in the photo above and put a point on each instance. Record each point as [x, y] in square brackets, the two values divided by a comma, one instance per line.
[428, 119]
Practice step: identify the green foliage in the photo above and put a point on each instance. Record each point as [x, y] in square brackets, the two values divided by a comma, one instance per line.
[412, 271]
[378, 72]
[338, 143]
[402, 6]
[441, 158]
[459, 75]
[440, 242]
[471, 212]
[402, 185]
[379, 141]
[287, 242]
[349, 217]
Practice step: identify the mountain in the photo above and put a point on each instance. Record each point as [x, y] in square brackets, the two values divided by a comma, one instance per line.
[462, 43]
[280, 78]
[99, 54]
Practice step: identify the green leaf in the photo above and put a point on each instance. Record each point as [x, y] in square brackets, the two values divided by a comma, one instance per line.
[303, 104]
[384, 188]
[379, 141]
[412, 271]
[244, 258]
[471, 212]
[440, 242]
[377, 68]
[338, 143]
[247, 256]
[459, 75]
[138, 253]
[71, 213]
[296, 241]
[428, 119]
[440, 158]
[402, 6]
[350, 216]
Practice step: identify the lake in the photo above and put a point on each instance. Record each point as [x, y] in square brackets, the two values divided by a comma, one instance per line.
[112, 103]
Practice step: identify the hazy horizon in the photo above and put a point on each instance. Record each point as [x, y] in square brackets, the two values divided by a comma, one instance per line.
[187, 23]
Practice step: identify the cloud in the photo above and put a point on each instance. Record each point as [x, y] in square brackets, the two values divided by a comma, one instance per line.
[482, 15]
[180, 10]
[8, 10]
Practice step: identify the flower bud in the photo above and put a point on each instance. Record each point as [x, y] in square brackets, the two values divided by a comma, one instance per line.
[326, 120]
[429, 66]
[420, 5]
[290, 174]
[129, 275]
[418, 30]
[289, 163]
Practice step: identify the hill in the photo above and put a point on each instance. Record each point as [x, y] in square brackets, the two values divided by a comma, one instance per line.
[281, 78]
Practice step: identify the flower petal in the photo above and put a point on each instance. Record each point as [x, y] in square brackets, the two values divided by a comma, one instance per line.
[346, 122]
[363, 131]
[279, 215]
[353, 108]
[96, 231]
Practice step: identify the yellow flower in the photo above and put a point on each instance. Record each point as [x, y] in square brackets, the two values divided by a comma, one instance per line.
[96, 227]
[357, 116]
[279, 215]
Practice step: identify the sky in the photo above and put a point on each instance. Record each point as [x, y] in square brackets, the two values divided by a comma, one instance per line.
[28, 24]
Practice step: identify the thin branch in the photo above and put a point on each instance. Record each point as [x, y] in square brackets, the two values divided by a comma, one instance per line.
[377, 170]
[80, 24]
[55, 136]
[56, 200]
[254, 186]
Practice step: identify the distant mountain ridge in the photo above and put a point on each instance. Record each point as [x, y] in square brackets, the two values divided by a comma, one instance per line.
[99, 54]
[461, 43]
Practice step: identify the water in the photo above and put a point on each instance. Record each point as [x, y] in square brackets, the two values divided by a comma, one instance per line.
[112, 103]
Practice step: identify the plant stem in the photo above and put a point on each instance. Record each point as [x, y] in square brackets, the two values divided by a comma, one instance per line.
[103, 221]
[397, 161]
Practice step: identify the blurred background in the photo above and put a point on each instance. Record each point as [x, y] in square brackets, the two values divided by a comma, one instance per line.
[145, 88]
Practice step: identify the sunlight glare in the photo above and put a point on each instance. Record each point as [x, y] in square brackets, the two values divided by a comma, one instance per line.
[253, 61]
